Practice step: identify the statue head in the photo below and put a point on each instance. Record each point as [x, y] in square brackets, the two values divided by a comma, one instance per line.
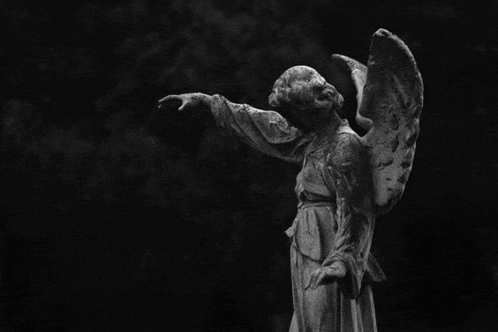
[301, 95]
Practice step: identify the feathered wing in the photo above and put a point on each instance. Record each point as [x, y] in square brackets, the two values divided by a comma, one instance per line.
[357, 72]
[390, 95]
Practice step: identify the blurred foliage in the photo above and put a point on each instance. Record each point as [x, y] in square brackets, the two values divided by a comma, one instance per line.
[130, 199]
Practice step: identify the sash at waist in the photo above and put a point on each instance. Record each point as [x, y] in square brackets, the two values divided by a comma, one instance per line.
[307, 204]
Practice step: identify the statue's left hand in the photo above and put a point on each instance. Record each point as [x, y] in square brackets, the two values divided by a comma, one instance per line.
[327, 274]
[188, 100]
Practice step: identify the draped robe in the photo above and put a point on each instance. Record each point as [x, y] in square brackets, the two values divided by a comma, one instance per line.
[335, 217]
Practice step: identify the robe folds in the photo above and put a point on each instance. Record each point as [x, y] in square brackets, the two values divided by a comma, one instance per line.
[329, 221]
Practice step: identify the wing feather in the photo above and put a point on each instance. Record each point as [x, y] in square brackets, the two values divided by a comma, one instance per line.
[358, 74]
[393, 100]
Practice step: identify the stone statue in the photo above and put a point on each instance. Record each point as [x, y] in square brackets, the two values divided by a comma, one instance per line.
[346, 180]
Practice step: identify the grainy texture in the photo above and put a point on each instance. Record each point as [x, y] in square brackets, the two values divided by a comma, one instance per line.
[345, 181]
[390, 100]
[326, 308]
[335, 219]
[358, 73]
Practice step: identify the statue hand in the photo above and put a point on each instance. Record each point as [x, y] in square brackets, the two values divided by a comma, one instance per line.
[188, 100]
[327, 274]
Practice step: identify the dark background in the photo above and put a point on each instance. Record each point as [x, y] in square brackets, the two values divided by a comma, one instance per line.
[120, 217]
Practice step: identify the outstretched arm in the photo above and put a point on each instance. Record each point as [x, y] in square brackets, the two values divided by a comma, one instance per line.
[265, 131]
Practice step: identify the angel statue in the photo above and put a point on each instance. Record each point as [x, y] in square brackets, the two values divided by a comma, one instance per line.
[346, 180]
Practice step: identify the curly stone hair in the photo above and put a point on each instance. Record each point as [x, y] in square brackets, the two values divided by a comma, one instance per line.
[302, 87]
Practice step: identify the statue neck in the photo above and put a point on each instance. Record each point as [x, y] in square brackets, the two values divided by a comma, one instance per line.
[328, 128]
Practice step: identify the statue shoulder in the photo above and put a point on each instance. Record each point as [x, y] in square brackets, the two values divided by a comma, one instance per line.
[347, 150]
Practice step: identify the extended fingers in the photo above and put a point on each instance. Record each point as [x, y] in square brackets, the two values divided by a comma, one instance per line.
[321, 276]
[315, 278]
[311, 281]
[168, 98]
[184, 103]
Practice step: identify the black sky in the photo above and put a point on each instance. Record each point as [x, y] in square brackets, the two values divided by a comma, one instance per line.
[117, 216]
